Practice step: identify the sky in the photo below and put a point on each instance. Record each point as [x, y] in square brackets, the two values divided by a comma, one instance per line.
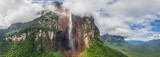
[136, 19]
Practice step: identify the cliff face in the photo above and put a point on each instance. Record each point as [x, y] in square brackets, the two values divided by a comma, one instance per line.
[53, 30]
[83, 29]
[74, 33]
[59, 33]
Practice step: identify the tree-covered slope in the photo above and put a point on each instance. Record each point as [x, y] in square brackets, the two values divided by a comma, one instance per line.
[133, 50]
[46, 37]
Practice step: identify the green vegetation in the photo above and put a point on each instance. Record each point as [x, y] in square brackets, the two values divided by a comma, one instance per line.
[53, 54]
[21, 49]
[37, 46]
[98, 49]
[30, 47]
[13, 32]
[135, 51]
[4, 47]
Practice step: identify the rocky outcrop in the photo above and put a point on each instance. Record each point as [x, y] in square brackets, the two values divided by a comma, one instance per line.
[53, 34]
[83, 29]
[59, 31]
[17, 38]
[113, 38]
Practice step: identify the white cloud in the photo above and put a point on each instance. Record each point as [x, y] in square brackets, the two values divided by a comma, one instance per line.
[13, 11]
[134, 7]
[121, 12]
[84, 7]
[143, 38]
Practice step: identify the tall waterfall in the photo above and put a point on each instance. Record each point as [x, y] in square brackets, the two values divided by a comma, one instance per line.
[70, 31]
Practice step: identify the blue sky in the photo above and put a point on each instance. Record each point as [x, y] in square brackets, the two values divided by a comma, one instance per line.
[156, 26]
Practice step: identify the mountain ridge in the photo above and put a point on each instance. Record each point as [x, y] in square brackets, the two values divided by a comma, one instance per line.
[134, 49]
[49, 36]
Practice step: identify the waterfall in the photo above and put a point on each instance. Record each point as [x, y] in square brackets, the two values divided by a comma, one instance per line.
[70, 31]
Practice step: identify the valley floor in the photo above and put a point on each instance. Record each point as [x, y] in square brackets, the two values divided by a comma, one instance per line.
[135, 51]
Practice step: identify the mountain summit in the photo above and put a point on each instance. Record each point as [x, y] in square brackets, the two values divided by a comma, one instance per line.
[55, 34]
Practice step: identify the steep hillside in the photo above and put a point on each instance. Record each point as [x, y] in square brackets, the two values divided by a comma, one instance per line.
[59, 34]
[129, 49]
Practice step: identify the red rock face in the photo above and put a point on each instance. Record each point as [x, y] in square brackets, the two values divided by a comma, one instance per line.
[83, 29]
[62, 33]
[56, 29]
[63, 20]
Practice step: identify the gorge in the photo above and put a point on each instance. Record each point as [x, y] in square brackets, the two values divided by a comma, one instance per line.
[55, 34]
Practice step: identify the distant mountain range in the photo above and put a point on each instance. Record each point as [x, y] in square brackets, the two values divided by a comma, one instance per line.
[113, 38]
[136, 42]
[148, 43]
[118, 39]
[2, 32]
[132, 48]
